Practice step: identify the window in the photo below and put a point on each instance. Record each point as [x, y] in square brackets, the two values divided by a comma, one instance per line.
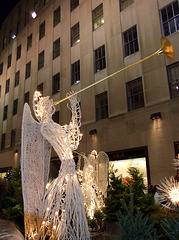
[3, 139]
[7, 85]
[56, 83]
[56, 16]
[41, 60]
[98, 18]
[9, 60]
[170, 18]
[42, 30]
[18, 28]
[36, 6]
[1, 68]
[101, 103]
[75, 72]
[40, 88]
[75, 34]
[15, 105]
[130, 41]
[99, 58]
[13, 137]
[29, 42]
[0, 90]
[26, 18]
[55, 117]
[74, 4]
[5, 112]
[173, 79]
[17, 76]
[56, 48]
[176, 146]
[28, 70]
[4, 43]
[135, 96]
[125, 3]
[26, 97]
[18, 52]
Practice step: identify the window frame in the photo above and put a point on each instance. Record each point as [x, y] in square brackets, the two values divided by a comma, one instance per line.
[28, 70]
[9, 61]
[75, 34]
[5, 113]
[57, 16]
[40, 88]
[75, 72]
[74, 4]
[171, 81]
[131, 43]
[7, 85]
[13, 137]
[99, 59]
[15, 106]
[41, 30]
[98, 17]
[29, 41]
[125, 3]
[3, 141]
[56, 83]
[56, 48]
[1, 68]
[26, 97]
[18, 55]
[102, 110]
[41, 58]
[169, 20]
[131, 99]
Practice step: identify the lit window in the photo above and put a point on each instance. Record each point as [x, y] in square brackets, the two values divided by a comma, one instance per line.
[7, 85]
[101, 104]
[56, 83]
[28, 70]
[98, 18]
[75, 72]
[17, 76]
[125, 3]
[56, 16]
[42, 30]
[100, 59]
[130, 41]
[75, 34]
[18, 52]
[56, 48]
[173, 79]
[5, 112]
[74, 4]
[29, 42]
[41, 60]
[170, 18]
[135, 96]
[15, 105]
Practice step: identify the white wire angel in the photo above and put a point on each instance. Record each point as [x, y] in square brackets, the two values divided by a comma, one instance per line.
[62, 208]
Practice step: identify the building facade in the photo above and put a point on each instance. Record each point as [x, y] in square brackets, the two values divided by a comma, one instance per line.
[70, 44]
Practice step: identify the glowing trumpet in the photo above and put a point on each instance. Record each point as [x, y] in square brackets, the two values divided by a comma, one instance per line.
[166, 49]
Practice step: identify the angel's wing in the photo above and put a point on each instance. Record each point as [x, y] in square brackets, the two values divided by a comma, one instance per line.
[35, 161]
[103, 161]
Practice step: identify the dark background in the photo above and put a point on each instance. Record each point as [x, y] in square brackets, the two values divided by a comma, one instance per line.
[5, 8]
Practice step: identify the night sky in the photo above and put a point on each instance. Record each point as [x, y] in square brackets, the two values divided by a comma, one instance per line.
[5, 7]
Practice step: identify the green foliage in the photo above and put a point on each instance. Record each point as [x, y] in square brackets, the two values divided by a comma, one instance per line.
[134, 226]
[171, 227]
[99, 217]
[12, 202]
[133, 187]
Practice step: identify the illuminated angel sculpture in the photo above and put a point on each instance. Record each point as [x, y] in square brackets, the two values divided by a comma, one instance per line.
[60, 208]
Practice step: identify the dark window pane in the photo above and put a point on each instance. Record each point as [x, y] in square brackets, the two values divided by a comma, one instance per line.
[173, 79]
[130, 41]
[176, 8]
[164, 15]
[170, 12]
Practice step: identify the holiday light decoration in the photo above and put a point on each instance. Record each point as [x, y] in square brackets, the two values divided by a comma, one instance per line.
[169, 189]
[93, 196]
[54, 210]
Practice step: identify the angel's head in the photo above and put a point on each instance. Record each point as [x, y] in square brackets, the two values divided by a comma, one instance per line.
[43, 107]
